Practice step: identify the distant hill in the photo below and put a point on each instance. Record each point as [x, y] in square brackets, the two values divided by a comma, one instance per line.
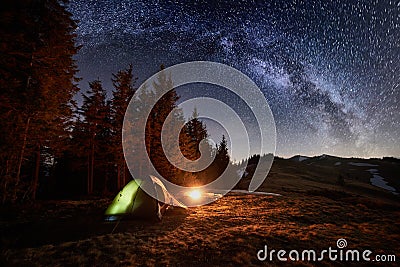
[299, 158]
[370, 177]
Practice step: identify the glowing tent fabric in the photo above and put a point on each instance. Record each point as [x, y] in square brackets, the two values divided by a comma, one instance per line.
[133, 201]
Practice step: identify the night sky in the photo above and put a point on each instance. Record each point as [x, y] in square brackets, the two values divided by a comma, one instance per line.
[328, 69]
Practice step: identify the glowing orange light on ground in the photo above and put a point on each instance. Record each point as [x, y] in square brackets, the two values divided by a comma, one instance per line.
[195, 194]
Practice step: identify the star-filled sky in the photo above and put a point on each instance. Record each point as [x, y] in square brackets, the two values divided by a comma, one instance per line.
[328, 69]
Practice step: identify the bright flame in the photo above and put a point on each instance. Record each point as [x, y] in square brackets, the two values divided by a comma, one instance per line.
[195, 194]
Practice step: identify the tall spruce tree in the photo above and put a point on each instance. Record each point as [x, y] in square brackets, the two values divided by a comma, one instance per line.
[94, 128]
[222, 158]
[155, 124]
[123, 83]
[37, 84]
[197, 132]
[138, 159]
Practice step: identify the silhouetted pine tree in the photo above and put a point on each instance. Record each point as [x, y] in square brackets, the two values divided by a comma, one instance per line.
[197, 131]
[222, 158]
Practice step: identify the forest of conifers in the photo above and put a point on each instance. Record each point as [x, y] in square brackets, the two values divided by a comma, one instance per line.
[53, 147]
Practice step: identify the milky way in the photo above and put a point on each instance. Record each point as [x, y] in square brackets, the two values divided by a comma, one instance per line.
[328, 69]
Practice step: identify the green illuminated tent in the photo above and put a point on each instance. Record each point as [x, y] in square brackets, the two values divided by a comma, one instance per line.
[133, 201]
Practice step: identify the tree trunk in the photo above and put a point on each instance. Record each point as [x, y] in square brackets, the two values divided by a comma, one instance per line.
[88, 175]
[105, 188]
[118, 176]
[126, 171]
[140, 168]
[21, 156]
[36, 178]
[5, 183]
[91, 169]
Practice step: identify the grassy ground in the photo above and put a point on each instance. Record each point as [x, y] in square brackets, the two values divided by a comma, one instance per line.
[312, 213]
